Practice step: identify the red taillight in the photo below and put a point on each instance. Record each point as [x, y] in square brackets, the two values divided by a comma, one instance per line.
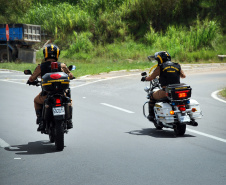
[55, 76]
[58, 102]
[182, 108]
[182, 94]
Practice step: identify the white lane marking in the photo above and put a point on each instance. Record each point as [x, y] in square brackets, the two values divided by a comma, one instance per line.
[112, 106]
[109, 78]
[17, 158]
[3, 144]
[207, 135]
[13, 82]
[214, 95]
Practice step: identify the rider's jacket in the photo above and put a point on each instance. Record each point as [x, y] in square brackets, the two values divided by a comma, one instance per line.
[46, 68]
[169, 73]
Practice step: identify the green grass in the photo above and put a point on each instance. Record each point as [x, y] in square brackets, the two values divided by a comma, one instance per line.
[223, 93]
[84, 67]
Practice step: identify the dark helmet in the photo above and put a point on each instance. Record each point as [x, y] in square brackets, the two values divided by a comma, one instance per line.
[162, 57]
[51, 51]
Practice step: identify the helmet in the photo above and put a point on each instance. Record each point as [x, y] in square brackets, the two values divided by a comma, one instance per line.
[51, 51]
[162, 57]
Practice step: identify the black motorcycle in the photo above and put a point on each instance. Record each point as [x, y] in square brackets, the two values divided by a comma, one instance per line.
[57, 107]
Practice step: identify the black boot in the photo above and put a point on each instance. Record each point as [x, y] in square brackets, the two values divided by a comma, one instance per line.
[69, 121]
[39, 120]
[151, 115]
[69, 124]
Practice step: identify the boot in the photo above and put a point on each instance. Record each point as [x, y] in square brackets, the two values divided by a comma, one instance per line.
[69, 122]
[151, 113]
[39, 120]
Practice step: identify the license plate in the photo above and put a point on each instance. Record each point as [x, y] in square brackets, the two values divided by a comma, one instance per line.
[58, 111]
[184, 119]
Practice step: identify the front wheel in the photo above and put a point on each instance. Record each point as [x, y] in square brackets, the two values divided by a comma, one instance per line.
[180, 130]
[59, 135]
[158, 127]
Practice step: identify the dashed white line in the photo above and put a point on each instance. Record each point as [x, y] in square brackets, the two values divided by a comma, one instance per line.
[118, 108]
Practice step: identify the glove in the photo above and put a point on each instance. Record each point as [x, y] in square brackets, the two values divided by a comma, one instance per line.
[143, 79]
[32, 83]
[28, 82]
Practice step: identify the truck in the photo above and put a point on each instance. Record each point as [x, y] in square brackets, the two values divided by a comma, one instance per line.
[21, 39]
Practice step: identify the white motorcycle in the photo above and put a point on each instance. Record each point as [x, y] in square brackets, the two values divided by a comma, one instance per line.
[176, 110]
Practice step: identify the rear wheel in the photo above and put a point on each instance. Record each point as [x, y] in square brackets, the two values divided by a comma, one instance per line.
[51, 135]
[59, 135]
[180, 129]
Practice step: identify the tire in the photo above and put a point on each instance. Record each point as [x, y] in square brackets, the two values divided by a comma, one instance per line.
[157, 126]
[180, 130]
[3, 55]
[59, 135]
[51, 135]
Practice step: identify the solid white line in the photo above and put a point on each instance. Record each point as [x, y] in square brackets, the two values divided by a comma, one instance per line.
[214, 95]
[207, 135]
[3, 144]
[112, 106]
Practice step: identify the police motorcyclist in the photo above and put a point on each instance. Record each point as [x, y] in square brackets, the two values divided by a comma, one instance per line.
[51, 54]
[168, 72]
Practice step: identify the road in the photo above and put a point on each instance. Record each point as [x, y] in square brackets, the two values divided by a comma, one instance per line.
[111, 142]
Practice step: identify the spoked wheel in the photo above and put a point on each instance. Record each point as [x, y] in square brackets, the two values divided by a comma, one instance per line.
[59, 135]
[180, 130]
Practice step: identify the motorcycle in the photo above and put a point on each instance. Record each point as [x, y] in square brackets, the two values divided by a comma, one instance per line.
[57, 107]
[176, 110]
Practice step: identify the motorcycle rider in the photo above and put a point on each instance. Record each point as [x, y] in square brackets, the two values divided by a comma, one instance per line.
[168, 72]
[51, 54]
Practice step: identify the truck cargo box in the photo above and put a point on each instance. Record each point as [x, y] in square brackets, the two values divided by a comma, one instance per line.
[21, 32]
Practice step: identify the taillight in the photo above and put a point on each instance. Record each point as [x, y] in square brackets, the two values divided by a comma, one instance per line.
[182, 108]
[182, 94]
[58, 102]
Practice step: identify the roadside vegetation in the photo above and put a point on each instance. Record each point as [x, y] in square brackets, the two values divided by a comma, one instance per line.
[223, 93]
[105, 35]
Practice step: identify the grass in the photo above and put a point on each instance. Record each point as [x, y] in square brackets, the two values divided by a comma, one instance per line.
[84, 67]
[223, 93]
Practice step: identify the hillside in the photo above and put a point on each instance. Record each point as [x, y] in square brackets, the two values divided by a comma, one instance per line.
[119, 30]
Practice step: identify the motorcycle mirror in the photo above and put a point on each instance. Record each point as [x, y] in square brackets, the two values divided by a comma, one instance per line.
[27, 72]
[72, 67]
[143, 74]
[151, 57]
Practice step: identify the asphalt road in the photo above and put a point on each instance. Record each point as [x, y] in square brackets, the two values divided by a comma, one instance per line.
[111, 142]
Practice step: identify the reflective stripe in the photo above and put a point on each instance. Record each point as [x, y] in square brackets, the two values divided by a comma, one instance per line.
[58, 51]
[46, 52]
[46, 84]
[160, 58]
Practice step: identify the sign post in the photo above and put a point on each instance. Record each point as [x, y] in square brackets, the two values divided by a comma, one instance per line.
[7, 37]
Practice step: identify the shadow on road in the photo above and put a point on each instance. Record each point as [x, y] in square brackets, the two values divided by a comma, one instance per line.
[32, 148]
[153, 132]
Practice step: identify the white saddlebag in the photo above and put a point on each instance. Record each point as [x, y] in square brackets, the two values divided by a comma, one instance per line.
[195, 105]
[162, 110]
